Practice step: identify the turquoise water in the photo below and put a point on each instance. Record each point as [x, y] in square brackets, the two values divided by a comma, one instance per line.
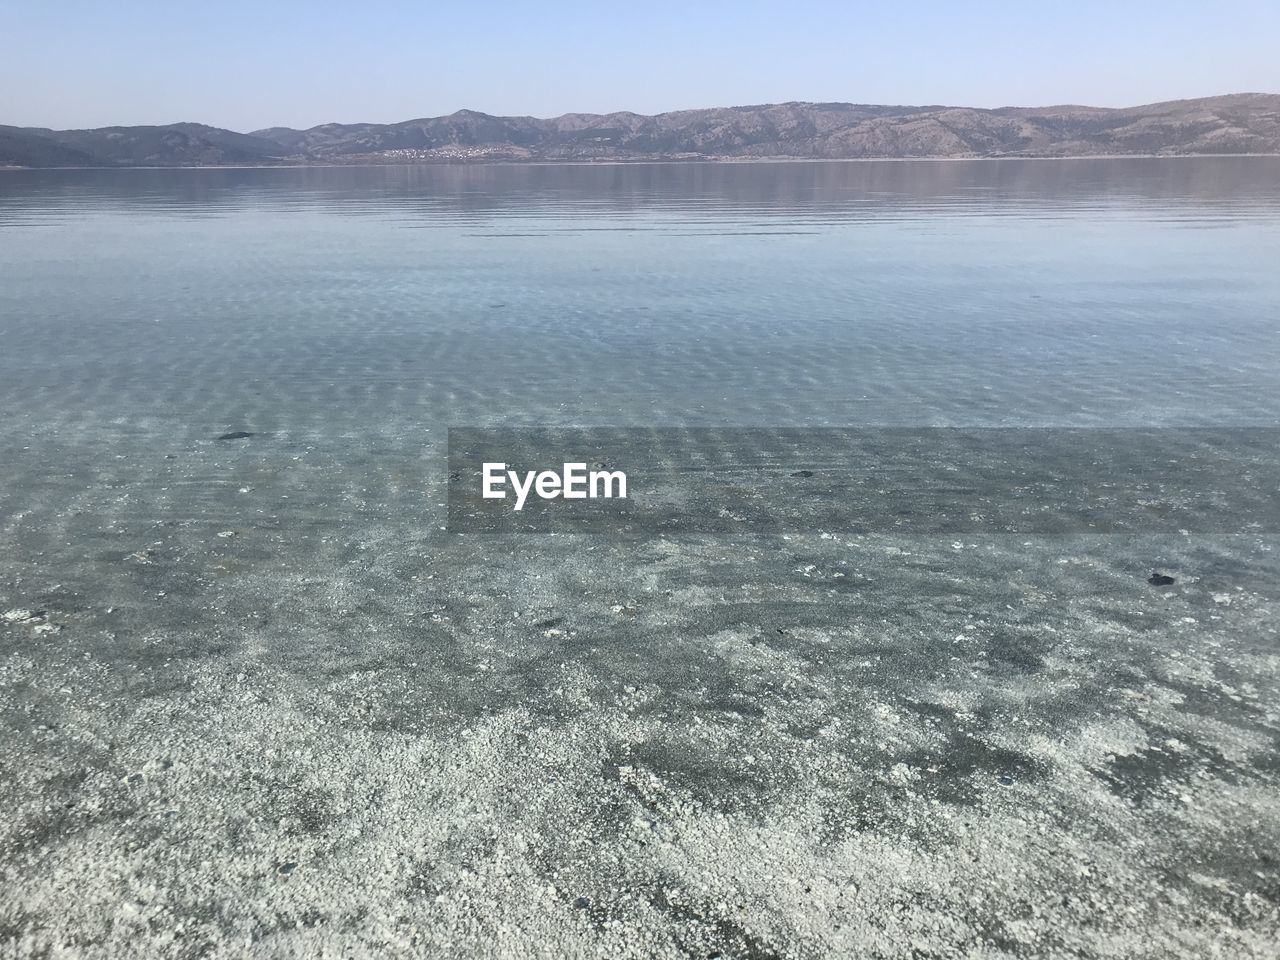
[356, 314]
[252, 685]
[312, 301]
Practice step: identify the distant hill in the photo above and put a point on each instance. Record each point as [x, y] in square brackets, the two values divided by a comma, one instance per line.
[177, 144]
[1240, 123]
[21, 148]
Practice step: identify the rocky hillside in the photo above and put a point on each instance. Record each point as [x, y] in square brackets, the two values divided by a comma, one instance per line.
[1242, 123]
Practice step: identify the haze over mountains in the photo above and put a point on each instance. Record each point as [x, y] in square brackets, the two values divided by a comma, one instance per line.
[1239, 123]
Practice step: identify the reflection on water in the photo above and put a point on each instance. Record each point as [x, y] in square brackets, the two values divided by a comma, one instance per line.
[802, 192]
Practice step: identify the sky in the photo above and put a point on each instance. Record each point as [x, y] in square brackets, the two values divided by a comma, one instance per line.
[248, 65]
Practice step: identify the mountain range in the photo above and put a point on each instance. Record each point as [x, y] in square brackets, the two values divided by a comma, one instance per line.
[1234, 124]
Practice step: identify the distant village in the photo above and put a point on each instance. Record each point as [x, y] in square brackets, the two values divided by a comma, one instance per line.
[452, 152]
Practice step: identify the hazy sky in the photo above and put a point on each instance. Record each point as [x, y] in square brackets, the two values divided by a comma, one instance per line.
[247, 65]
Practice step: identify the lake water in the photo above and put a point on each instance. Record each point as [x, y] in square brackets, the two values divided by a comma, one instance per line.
[254, 687]
[388, 299]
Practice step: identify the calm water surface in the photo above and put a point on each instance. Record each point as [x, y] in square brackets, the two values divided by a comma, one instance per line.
[249, 685]
[396, 300]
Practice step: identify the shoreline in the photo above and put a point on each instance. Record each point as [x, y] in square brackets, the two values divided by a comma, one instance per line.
[658, 161]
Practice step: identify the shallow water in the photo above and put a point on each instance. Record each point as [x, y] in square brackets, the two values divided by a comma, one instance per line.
[313, 301]
[262, 651]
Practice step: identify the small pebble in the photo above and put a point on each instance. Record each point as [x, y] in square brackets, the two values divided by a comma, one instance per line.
[23, 615]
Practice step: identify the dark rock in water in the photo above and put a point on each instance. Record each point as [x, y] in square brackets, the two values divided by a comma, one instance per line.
[236, 435]
[286, 868]
[1160, 580]
[1007, 780]
[582, 903]
[803, 473]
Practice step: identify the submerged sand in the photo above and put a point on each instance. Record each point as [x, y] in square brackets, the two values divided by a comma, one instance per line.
[561, 747]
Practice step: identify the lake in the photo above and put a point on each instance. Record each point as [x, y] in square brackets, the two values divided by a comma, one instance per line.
[255, 684]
